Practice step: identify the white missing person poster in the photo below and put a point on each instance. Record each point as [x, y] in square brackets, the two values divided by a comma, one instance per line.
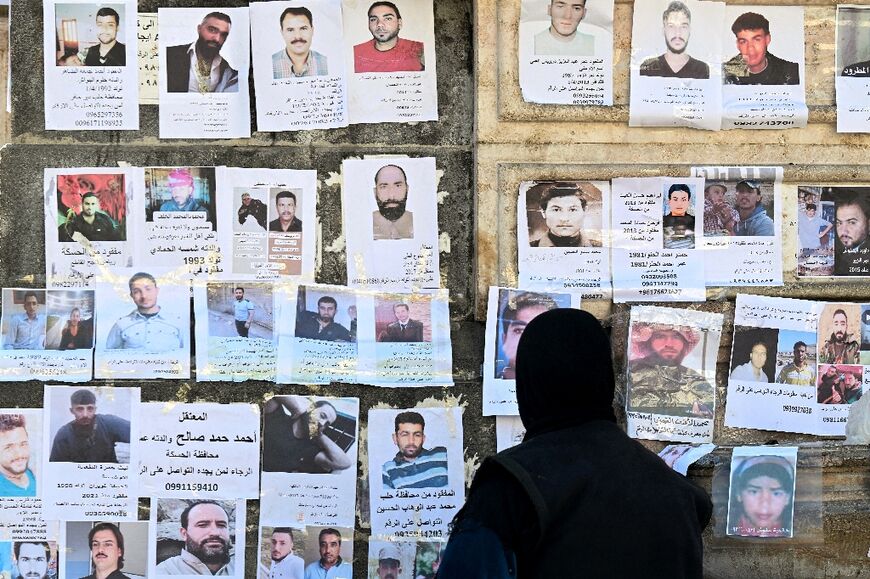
[764, 83]
[671, 393]
[508, 312]
[144, 326]
[178, 214]
[236, 331]
[91, 440]
[199, 450]
[91, 549]
[21, 480]
[742, 225]
[773, 375]
[203, 77]
[676, 64]
[398, 248]
[292, 550]
[196, 537]
[390, 55]
[47, 335]
[656, 243]
[852, 69]
[267, 223]
[563, 237]
[87, 223]
[404, 339]
[566, 52]
[299, 65]
[310, 447]
[416, 474]
[317, 334]
[91, 77]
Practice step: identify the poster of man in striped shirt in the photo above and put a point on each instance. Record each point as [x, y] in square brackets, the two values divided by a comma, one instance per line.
[414, 467]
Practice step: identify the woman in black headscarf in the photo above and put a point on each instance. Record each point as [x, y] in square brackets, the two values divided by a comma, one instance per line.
[577, 497]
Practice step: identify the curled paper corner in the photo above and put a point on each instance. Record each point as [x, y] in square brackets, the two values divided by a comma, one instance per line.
[448, 401]
[124, 164]
[337, 245]
[472, 463]
[183, 391]
[444, 242]
[333, 178]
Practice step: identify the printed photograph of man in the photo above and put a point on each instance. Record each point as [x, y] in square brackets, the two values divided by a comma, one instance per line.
[180, 189]
[840, 384]
[387, 52]
[389, 562]
[91, 437]
[851, 250]
[148, 327]
[297, 59]
[17, 479]
[753, 354]
[562, 37]
[87, 35]
[801, 370]
[813, 229]
[206, 530]
[753, 370]
[559, 217]
[331, 564]
[107, 551]
[90, 224]
[109, 52]
[755, 64]
[675, 62]
[678, 223]
[92, 207]
[516, 310]
[392, 220]
[658, 381]
[282, 562]
[720, 218]
[253, 211]
[236, 311]
[321, 325]
[402, 327]
[25, 330]
[34, 559]
[754, 220]
[299, 435]
[199, 66]
[285, 208]
[840, 330]
[414, 466]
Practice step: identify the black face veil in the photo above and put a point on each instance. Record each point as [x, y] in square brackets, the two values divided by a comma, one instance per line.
[564, 372]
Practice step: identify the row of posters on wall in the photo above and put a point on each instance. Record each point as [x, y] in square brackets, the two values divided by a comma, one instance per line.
[73, 471]
[796, 365]
[317, 64]
[668, 238]
[241, 224]
[742, 68]
[136, 324]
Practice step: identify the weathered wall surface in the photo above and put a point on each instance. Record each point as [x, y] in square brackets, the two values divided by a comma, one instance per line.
[450, 141]
[518, 141]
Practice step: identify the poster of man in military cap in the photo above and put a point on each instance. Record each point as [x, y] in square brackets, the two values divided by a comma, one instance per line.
[671, 370]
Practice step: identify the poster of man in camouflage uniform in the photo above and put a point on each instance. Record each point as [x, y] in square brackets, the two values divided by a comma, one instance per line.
[658, 381]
